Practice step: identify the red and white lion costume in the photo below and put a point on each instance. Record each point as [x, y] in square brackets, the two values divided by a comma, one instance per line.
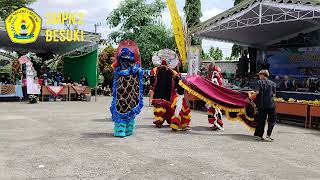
[215, 114]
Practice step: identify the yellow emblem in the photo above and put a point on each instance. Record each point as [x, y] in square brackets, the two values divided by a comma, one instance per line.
[23, 26]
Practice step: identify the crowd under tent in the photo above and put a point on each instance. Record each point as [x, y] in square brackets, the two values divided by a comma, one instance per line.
[262, 23]
[79, 58]
[5, 62]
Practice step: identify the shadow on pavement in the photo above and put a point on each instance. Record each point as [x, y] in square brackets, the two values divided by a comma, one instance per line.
[97, 135]
[201, 128]
[241, 137]
[316, 134]
[145, 127]
[197, 131]
[102, 120]
[169, 131]
[297, 133]
[150, 126]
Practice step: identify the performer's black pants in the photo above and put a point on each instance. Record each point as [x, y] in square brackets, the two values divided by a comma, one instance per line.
[262, 117]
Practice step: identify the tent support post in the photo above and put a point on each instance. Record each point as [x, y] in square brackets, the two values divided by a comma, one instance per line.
[96, 92]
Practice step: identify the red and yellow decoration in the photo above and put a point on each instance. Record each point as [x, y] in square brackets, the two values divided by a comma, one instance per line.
[236, 105]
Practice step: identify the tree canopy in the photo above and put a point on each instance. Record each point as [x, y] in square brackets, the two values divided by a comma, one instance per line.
[238, 51]
[237, 2]
[204, 55]
[105, 62]
[141, 22]
[133, 14]
[7, 7]
[215, 53]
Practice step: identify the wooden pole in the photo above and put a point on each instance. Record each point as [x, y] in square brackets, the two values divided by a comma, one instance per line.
[96, 90]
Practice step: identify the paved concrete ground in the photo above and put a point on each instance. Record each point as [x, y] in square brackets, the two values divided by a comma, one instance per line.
[74, 140]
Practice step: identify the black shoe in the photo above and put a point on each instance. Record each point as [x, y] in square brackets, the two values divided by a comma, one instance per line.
[260, 139]
[268, 138]
[214, 128]
[186, 129]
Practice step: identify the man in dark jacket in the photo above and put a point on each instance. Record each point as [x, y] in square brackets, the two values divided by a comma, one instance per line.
[286, 84]
[265, 91]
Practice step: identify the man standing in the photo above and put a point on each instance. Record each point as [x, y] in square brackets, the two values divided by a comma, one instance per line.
[265, 91]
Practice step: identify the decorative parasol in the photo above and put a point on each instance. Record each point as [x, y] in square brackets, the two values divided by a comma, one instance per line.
[168, 55]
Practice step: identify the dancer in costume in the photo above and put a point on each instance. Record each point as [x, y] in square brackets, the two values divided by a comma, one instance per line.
[215, 114]
[236, 104]
[168, 96]
[127, 88]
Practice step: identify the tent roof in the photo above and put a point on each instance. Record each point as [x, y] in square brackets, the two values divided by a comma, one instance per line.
[261, 23]
[41, 46]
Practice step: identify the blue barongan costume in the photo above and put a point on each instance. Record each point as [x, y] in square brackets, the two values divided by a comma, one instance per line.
[127, 88]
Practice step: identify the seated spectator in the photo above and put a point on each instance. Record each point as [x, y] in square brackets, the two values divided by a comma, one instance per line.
[278, 82]
[108, 91]
[245, 82]
[318, 85]
[312, 85]
[237, 82]
[83, 81]
[298, 86]
[58, 78]
[4, 79]
[67, 80]
[286, 85]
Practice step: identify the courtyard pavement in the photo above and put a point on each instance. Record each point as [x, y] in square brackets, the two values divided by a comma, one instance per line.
[74, 140]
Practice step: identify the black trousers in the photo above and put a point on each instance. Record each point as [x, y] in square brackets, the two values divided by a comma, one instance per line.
[263, 114]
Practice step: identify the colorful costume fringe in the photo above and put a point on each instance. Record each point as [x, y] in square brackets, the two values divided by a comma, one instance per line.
[236, 105]
[168, 99]
[127, 89]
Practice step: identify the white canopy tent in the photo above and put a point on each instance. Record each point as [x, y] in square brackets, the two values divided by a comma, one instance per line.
[261, 23]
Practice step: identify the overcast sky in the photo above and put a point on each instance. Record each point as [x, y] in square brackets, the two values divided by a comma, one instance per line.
[97, 10]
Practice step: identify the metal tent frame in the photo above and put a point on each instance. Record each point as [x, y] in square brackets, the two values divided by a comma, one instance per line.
[261, 23]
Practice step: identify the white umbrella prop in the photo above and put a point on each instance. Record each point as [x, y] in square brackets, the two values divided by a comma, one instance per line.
[167, 55]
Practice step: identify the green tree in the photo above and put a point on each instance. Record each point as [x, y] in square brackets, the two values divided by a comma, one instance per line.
[139, 21]
[193, 14]
[105, 62]
[153, 38]
[8, 6]
[205, 56]
[238, 51]
[215, 53]
[133, 14]
[236, 2]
